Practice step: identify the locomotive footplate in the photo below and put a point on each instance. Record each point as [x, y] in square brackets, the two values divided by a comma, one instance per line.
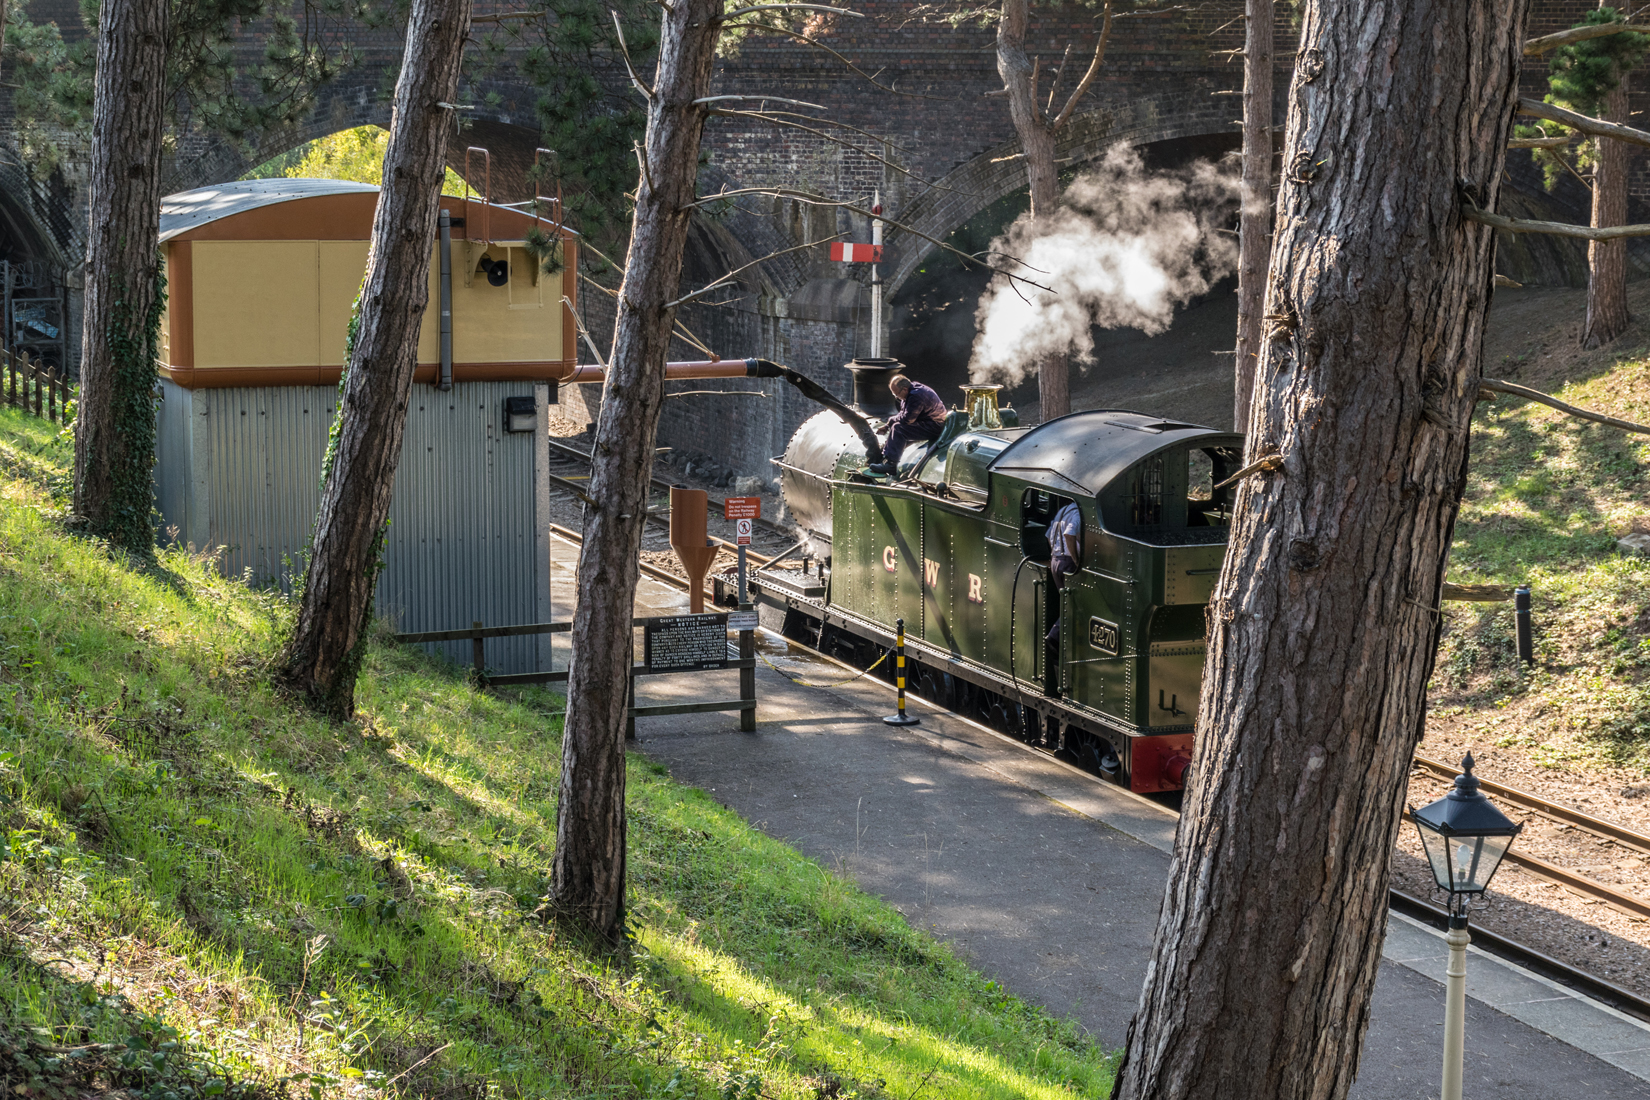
[1146, 763]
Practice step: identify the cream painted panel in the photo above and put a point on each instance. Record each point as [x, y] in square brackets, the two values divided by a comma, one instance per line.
[486, 329]
[256, 304]
[342, 263]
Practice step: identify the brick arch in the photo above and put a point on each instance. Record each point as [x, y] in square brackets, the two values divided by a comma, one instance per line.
[999, 171]
[508, 130]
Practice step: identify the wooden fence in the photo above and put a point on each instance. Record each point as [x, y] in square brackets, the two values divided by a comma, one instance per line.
[28, 386]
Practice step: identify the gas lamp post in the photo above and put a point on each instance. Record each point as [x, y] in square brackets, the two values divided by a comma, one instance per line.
[1464, 836]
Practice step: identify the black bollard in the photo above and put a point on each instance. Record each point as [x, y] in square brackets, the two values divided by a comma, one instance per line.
[1521, 614]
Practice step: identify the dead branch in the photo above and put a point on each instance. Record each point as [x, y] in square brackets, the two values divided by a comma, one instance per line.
[1537, 46]
[1496, 385]
[1556, 229]
[1260, 465]
[1088, 78]
[774, 119]
[1477, 593]
[1594, 127]
[790, 7]
[800, 37]
[1059, 73]
[647, 93]
[772, 192]
[727, 279]
[762, 98]
[1541, 143]
[507, 16]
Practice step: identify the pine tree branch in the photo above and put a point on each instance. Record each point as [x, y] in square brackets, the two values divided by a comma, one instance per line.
[1537, 46]
[1554, 229]
[773, 118]
[1496, 385]
[1593, 127]
[727, 280]
[1089, 77]
[1541, 143]
[647, 93]
[855, 69]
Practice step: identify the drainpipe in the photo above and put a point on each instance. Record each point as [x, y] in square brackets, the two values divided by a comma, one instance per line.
[446, 301]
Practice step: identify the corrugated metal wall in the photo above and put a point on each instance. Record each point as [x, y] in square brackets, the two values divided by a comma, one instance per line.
[463, 541]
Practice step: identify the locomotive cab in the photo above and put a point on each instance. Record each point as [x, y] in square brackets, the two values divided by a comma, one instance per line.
[1104, 668]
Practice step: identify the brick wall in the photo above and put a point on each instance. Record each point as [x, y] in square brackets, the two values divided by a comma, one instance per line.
[930, 120]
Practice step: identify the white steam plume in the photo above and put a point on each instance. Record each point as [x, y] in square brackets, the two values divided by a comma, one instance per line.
[1124, 248]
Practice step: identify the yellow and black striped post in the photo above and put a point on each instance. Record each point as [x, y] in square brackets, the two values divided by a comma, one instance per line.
[901, 718]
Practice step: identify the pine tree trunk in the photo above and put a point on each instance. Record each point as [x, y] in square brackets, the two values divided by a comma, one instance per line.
[588, 875]
[1607, 260]
[323, 656]
[1322, 629]
[1042, 175]
[115, 426]
[1255, 222]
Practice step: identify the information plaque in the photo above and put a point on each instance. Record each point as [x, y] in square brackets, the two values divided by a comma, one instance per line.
[683, 642]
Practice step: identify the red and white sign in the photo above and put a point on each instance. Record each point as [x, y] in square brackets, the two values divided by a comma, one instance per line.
[742, 507]
[856, 253]
[742, 532]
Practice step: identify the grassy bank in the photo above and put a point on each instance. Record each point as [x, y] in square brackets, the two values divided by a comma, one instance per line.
[206, 892]
[1547, 497]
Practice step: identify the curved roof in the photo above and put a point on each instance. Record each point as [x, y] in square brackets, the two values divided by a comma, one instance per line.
[1087, 450]
[187, 210]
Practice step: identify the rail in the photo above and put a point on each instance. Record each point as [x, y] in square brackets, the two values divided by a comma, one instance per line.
[1571, 880]
[657, 484]
[28, 386]
[1573, 977]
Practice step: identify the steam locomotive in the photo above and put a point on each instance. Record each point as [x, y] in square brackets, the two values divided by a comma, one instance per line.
[1105, 670]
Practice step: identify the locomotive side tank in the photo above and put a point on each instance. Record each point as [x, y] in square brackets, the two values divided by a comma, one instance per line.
[1105, 668]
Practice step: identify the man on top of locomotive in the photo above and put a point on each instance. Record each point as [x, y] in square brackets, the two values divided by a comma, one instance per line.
[921, 416]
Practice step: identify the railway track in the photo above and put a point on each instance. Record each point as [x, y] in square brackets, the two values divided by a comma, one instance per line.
[1588, 984]
[1553, 811]
[569, 472]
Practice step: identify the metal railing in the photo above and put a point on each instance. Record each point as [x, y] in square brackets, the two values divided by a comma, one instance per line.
[478, 633]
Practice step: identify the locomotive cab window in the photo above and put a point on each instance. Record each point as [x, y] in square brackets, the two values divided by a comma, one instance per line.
[1037, 511]
[1171, 497]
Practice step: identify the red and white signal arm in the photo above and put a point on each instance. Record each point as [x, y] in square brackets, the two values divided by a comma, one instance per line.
[856, 253]
[742, 532]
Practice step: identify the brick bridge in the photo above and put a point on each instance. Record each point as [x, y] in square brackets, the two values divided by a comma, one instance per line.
[1167, 86]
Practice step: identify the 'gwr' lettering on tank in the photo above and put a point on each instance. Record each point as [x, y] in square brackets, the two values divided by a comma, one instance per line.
[975, 589]
[890, 561]
[930, 572]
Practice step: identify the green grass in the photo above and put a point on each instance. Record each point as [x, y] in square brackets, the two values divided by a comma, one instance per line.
[1547, 497]
[207, 892]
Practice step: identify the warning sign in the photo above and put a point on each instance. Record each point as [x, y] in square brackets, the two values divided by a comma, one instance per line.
[742, 507]
[742, 529]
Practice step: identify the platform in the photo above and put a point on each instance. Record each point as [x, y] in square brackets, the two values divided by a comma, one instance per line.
[1050, 881]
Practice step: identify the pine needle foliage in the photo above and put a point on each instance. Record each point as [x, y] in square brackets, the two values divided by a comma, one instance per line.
[1579, 76]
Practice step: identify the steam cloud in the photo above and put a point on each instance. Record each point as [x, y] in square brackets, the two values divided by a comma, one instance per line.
[1125, 247]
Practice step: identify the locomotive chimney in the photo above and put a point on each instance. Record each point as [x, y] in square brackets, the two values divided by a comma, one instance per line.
[981, 403]
[871, 395]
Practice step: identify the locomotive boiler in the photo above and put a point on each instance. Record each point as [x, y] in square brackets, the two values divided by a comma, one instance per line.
[1104, 670]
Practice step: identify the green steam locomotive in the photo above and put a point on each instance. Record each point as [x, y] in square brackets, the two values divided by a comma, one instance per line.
[1104, 670]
